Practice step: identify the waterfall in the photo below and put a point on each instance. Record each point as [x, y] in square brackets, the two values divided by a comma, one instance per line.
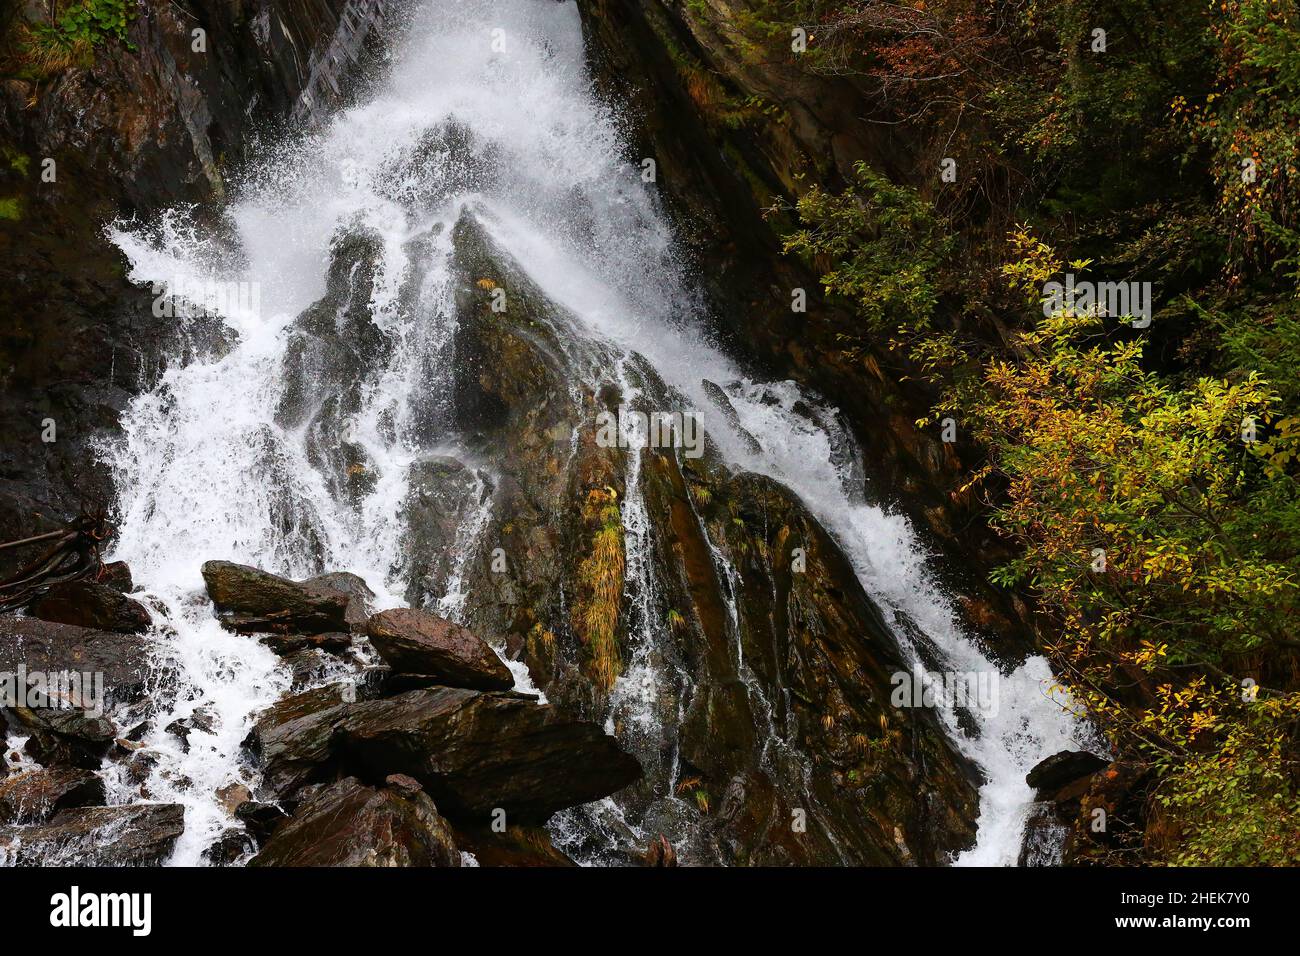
[205, 469]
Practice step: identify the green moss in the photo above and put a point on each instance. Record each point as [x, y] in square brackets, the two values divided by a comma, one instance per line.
[11, 209]
[17, 161]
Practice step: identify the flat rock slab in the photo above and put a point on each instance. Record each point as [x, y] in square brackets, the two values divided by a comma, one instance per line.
[417, 642]
[351, 824]
[251, 601]
[475, 752]
[137, 835]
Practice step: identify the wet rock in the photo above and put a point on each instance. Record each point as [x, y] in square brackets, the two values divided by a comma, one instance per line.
[1062, 768]
[475, 752]
[354, 587]
[251, 601]
[1111, 815]
[34, 795]
[36, 645]
[202, 720]
[139, 835]
[116, 575]
[288, 644]
[233, 796]
[440, 496]
[311, 667]
[351, 824]
[661, 853]
[759, 663]
[417, 642]
[293, 737]
[260, 819]
[518, 845]
[63, 737]
[230, 848]
[87, 604]
[334, 348]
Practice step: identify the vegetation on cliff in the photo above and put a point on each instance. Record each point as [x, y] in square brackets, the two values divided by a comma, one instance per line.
[1144, 470]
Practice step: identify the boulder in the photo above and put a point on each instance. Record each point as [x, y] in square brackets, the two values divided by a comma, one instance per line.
[88, 604]
[67, 738]
[138, 835]
[250, 601]
[354, 588]
[351, 824]
[417, 642]
[260, 819]
[475, 752]
[287, 645]
[230, 847]
[293, 738]
[117, 575]
[35, 795]
[233, 796]
[1062, 768]
[529, 846]
[122, 659]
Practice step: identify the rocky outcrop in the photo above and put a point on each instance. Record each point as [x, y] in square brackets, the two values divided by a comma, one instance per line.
[350, 824]
[1062, 825]
[740, 127]
[93, 605]
[157, 120]
[420, 643]
[140, 835]
[122, 659]
[34, 795]
[478, 752]
[250, 601]
[293, 739]
[769, 701]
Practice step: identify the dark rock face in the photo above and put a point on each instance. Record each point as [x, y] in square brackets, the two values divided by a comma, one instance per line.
[140, 128]
[260, 819]
[417, 642]
[517, 846]
[806, 130]
[249, 601]
[294, 738]
[88, 604]
[64, 737]
[140, 835]
[33, 796]
[351, 824]
[475, 752]
[773, 699]
[1063, 768]
[1062, 826]
[358, 593]
[39, 645]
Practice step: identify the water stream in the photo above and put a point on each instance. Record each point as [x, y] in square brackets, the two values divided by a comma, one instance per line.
[204, 471]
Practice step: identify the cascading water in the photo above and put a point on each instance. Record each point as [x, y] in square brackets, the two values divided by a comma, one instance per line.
[206, 469]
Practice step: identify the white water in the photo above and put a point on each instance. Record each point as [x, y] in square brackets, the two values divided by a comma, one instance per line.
[205, 472]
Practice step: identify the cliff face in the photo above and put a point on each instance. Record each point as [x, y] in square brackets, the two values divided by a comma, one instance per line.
[156, 123]
[737, 139]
